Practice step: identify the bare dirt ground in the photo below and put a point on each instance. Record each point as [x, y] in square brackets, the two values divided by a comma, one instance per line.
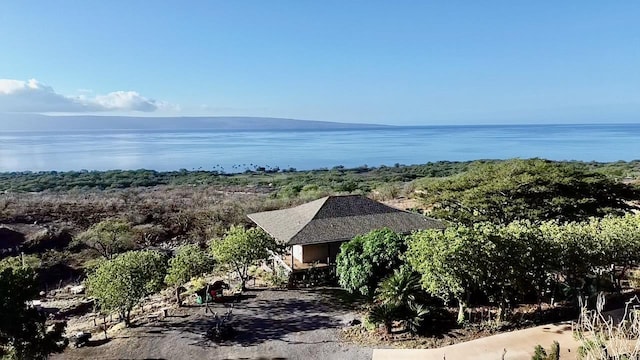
[516, 345]
[269, 324]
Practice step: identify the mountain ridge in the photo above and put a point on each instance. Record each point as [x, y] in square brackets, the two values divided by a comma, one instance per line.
[37, 122]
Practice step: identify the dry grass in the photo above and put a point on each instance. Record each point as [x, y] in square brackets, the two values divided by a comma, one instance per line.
[185, 212]
[605, 336]
[163, 216]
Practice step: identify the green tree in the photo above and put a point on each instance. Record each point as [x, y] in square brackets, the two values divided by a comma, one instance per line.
[532, 189]
[452, 263]
[577, 253]
[108, 237]
[366, 259]
[502, 263]
[189, 261]
[16, 262]
[587, 250]
[23, 330]
[121, 283]
[532, 258]
[241, 248]
[618, 238]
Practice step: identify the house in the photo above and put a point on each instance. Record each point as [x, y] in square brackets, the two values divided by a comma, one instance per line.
[314, 231]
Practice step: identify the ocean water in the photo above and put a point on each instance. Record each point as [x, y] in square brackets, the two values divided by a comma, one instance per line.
[237, 151]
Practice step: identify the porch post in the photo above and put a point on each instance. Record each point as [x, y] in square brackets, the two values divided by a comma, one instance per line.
[291, 257]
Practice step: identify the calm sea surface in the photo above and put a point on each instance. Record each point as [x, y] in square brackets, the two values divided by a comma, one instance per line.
[236, 151]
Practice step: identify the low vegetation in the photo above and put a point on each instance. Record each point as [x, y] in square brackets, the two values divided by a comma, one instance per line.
[603, 338]
[542, 354]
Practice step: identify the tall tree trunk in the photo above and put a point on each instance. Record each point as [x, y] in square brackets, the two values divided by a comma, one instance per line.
[461, 307]
[388, 327]
[179, 291]
[500, 313]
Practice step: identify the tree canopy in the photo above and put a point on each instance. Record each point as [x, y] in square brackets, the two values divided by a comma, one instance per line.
[366, 259]
[108, 237]
[451, 262]
[532, 189]
[189, 261]
[241, 248]
[120, 283]
[507, 264]
[29, 261]
[23, 330]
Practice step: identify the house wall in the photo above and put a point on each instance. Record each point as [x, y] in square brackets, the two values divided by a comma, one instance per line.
[297, 252]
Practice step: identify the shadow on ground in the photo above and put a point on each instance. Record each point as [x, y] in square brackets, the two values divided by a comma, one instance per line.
[256, 320]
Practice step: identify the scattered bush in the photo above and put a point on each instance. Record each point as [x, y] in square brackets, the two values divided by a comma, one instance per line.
[23, 330]
[241, 248]
[190, 261]
[366, 259]
[17, 262]
[121, 283]
[108, 237]
[541, 353]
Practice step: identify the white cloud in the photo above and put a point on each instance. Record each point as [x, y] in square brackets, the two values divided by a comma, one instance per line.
[34, 96]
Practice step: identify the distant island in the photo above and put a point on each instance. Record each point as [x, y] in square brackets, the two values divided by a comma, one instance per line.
[37, 122]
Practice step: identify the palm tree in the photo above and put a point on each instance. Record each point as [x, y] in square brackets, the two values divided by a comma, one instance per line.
[400, 288]
[398, 299]
[384, 314]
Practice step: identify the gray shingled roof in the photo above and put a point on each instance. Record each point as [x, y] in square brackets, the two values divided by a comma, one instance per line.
[337, 218]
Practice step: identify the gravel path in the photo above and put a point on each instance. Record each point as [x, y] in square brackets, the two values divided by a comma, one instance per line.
[269, 325]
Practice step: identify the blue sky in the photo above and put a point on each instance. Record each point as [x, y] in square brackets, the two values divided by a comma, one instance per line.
[393, 62]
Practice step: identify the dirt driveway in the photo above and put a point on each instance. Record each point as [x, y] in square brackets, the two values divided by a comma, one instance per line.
[269, 324]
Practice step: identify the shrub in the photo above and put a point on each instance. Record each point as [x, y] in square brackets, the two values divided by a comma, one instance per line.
[121, 283]
[366, 259]
[190, 261]
[401, 291]
[241, 248]
[23, 331]
[541, 354]
[108, 237]
[384, 314]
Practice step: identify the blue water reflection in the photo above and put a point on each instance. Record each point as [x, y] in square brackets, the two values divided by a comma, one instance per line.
[172, 150]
